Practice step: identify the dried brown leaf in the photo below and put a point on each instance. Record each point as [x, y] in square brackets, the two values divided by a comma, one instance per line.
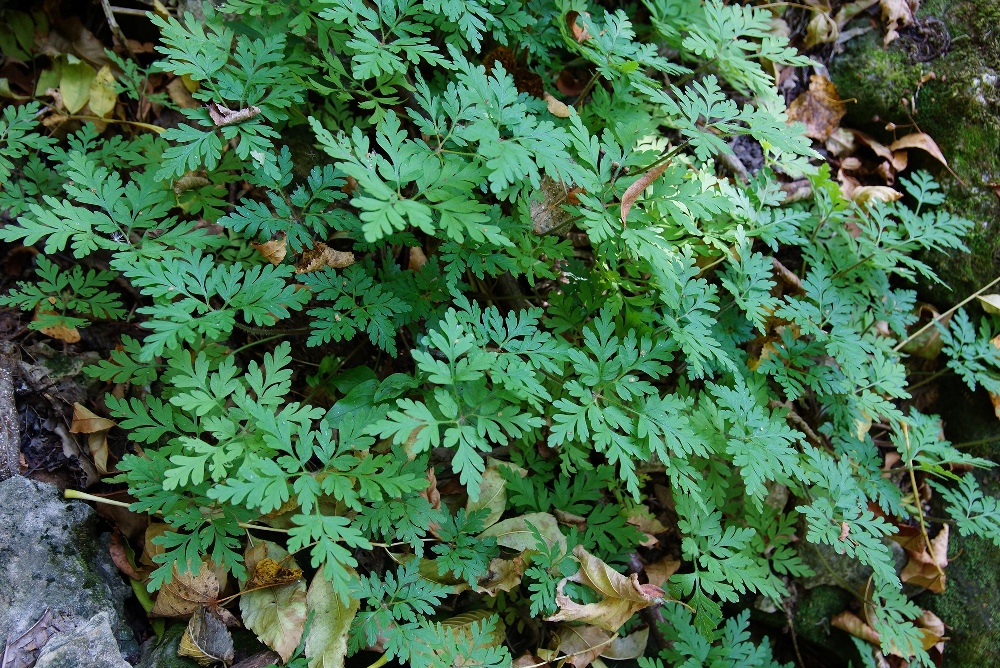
[206, 639]
[632, 193]
[557, 108]
[920, 140]
[185, 593]
[321, 256]
[848, 621]
[660, 571]
[631, 646]
[897, 14]
[819, 108]
[85, 421]
[503, 575]
[580, 33]
[273, 251]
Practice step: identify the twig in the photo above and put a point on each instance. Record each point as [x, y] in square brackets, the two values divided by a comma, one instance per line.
[947, 313]
[115, 29]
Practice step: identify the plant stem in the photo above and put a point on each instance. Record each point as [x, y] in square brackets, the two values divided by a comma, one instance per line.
[947, 313]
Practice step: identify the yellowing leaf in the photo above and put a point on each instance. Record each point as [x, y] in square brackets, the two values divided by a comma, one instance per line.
[181, 96]
[276, 614]
[103, 96]
[622, 596]
[86, 421]
[326, 644]
[492, 495]
[74, 85]
[990, 303]
[206, 639]
[516, 534]
[865, 194]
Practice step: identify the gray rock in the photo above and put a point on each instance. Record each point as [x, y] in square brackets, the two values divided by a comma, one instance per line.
[90, 645]
[51, 561]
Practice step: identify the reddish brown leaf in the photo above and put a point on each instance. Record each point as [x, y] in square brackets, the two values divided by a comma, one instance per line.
[632, 193]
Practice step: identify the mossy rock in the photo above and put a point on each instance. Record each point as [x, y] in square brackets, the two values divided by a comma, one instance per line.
[960, 109]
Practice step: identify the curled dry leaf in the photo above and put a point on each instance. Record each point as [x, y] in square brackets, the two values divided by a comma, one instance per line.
[632, 193]
[866, 194]
[273, 251]
[321, 256]
[926, 565]
[622, 596]
[269, 573]
[990, 303]
[821, 30]
[582, 644]
[276, 614]
[557, 108]
[206, 639]
[850, 622]
[547, 214]
[840, 142]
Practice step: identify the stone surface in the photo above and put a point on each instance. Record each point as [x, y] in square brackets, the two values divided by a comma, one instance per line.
[959, 41]
[90, 645]
[50, 560]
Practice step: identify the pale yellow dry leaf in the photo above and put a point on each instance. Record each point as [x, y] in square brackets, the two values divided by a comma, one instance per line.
[502, 575]
[97, 443]
[85, 421]
[273, 251]
[897, 14]
[179, 93]
[866, 194]
[515, 533]
[557, 108]
[821, 30]
[103, 96]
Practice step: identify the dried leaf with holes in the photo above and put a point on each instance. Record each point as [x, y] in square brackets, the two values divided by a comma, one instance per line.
[819, 108]
[186, 592]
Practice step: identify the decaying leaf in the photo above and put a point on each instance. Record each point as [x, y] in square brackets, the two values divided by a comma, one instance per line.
[632, 193]
[503, 575]
[206, 639]
[580, 33]
[273, 251]
[326, 644]
[516, 534]
[631, 646]
[850, 622]
[60, 332]
[866, 194]
[582, 644]
[186, 593]
[920, 140]
[622, 596]
[819, 108]
[269, 573]
[897, 14]
[85, 421]
[547, 213]
[74, 84]
[492, 494]
[321, 256]
[223, 116]
[276, 614]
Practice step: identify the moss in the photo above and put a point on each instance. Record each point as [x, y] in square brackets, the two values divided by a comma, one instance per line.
[960, 109]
